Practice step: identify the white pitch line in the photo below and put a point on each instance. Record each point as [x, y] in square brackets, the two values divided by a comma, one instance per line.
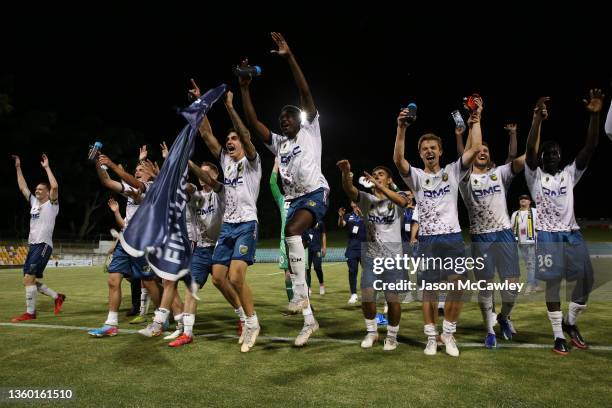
[290, 339]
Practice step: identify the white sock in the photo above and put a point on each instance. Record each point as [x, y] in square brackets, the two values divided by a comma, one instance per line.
[188, 322]
[296, 255]
[144, 301]
[555, 321]
[45, 290]
[392, 331]
[573, 310]
[485, 301]
[161, 315]
[241, 314]
[449, 327]
[30, 295]
[112, 319]
[430, 331]
[371, 326]
[252, 321]
[179, 320]
[308, 317]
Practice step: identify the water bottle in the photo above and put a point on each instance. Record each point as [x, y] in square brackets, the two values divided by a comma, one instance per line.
[459, 123]
[94, 152]
[365, 182]
[412, 112]
[248, 71]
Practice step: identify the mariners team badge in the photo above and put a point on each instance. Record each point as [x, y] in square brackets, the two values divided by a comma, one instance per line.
[312, 203]
[445, 177]
[494, 177]
[244, 249]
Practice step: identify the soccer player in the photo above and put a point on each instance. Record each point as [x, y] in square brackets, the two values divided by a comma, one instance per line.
[123, 265]
[316, 242]
[383, 212]
[283, 262]
[135, 284]
[207, 207]
[356, 231]
[235, 249]
[299, 152]
[484, 193]
[561, 251]
[44, 207]
[436, 189]
[524, 221]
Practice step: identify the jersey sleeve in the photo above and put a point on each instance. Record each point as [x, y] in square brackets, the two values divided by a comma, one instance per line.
[574, 172]
[313, 127]
[531, 178]
[457, 171]
[274, 143]
[506, 174]
[33, 200]
[413, 178]
[364, 202]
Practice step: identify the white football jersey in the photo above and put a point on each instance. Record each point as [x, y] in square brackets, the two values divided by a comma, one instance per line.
[208, 214]
[383, 222]
[42, 221]
[132, 206]
[241, 180]
[554, 197]
[300, 160]
[436, 197]
[485, 198]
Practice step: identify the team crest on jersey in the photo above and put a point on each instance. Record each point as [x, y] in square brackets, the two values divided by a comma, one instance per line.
[244, 249]
[312, 203]
[240, 167]
[389, 206]
[475, 181]
[494, 177]
[427, 181]
[445, 177]
[562, 179]
[546, 178]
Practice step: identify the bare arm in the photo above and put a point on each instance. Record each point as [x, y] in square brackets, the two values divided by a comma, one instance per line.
[205, 177]
[475, 136]
[459, 131]
[341, 222]
[114, 206]
[347, 180]
[107, 181]
[594, 106]
[207, 135]
[400, 141]
[306, 99]
[243, 132]
[414, 230]
[259, 128]
[53, 194]
[123, 175]
[540, 113]
[21, 182]
[512, 146]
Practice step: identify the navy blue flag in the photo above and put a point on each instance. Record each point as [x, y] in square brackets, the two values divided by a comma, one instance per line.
[158, 230]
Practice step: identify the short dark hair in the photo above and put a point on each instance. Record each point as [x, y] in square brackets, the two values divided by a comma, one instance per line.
[385, 169]
[291, 109]
[232, 130]
[547, 145]
[46, 184]
[211, 165]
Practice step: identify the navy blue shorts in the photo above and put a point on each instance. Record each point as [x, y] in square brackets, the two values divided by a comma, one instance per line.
[446, 253]
[316, 202]
[201, 266]
[562, 255]
[36, 261]
[128, 266]
[237, 241]
[497, 250]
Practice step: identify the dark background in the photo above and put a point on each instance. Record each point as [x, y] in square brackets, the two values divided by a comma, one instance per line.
[67, 80]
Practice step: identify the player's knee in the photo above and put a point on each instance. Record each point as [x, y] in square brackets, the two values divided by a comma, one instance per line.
[114, 281]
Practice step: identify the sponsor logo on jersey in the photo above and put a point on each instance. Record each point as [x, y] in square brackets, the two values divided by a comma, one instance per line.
[233, 182]
[554, 193]
[206, 210]
[286, 158]
[487, 191]
[437, 193]
[381, 220]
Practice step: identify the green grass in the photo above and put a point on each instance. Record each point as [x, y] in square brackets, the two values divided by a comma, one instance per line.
[129, 370]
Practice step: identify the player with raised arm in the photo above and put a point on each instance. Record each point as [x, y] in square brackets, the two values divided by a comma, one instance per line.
[44, 207]
[436, 190]
[235, 249]
[383, 212]
[561, 252]
[299, 152]
[484, 192]
[122, 264]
